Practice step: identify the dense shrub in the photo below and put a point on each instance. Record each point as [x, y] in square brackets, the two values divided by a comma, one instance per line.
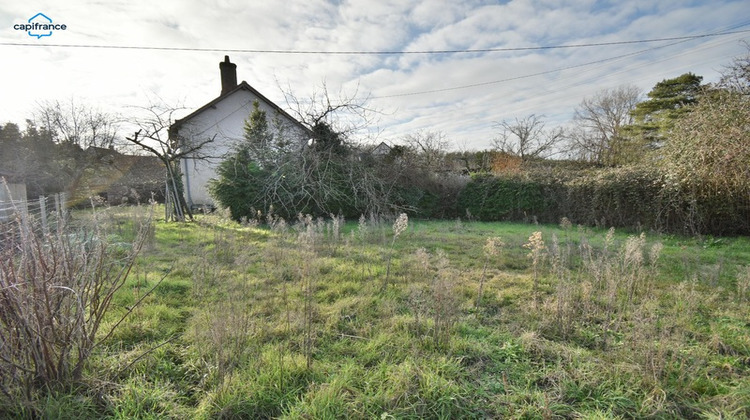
[434, 196]
[272, 170]
[708, 161]
[630, 197]
[615, 197]
[511, 197]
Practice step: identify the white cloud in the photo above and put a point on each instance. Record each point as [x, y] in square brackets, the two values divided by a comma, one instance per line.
[115, 79]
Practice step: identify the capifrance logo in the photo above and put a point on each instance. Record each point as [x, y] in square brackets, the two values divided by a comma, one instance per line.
[40, 25]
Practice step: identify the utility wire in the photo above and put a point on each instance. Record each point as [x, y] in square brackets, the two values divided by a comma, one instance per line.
[551, 90]
[677, 40]
[526, 76]
[422, 52]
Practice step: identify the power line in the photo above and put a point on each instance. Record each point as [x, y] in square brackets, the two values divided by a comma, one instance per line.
[421, 52]
[526, 76]
[559, 89]
[677, 40]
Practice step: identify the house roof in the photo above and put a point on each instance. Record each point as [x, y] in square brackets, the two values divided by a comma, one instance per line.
[107, 170]
[382, 148]
[127, 169]
[241, 86]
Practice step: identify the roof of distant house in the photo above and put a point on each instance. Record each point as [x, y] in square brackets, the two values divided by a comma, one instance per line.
[132, 168]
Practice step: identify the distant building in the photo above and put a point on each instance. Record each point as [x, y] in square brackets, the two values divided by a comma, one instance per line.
[118, 179]
[381, 150]
[223, 119]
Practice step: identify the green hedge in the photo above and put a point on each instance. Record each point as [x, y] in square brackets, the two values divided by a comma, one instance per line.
[504, 198]
[638, 198]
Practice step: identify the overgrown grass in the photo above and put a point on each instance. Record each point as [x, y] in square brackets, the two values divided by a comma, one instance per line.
[297, 320]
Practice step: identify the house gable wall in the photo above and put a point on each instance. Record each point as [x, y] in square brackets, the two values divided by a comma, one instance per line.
[224, 121]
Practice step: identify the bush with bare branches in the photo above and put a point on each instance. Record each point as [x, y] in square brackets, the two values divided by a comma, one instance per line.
[55, 291]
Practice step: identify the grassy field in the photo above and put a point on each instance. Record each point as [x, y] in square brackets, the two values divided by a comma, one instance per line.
[447, 319]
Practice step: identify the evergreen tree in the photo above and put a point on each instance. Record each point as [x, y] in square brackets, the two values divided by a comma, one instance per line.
[668, 101]
[239, 186]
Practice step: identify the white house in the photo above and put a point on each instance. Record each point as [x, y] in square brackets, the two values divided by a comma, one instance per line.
[222, 119]
[381, 150]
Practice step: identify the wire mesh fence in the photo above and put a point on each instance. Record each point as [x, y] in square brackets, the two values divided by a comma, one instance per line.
[47, 213]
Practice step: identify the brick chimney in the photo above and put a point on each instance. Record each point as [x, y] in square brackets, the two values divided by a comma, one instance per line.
[228, 75]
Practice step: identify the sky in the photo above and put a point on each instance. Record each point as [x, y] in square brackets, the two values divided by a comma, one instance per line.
[496, 70]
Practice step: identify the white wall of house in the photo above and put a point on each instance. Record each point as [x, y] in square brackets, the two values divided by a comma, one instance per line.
[225, 122]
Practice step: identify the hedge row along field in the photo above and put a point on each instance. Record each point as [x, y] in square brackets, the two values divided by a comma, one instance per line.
[634, 198]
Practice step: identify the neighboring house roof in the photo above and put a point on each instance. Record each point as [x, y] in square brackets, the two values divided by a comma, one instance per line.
[381, 149]
[125, 169]
[241, 86]
[107, 169]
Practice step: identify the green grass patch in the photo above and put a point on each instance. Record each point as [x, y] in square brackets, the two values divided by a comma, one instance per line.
[299, 322]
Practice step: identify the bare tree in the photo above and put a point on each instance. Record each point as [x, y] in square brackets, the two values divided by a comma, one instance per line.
[76, 124]
[346, 114]
[598, 123]
[527, 138]
[153, 136]
[429, 148]
[58, 136]
[735, 76]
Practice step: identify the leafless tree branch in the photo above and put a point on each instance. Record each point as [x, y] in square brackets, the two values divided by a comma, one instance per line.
[154, 137]
[528, 138]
